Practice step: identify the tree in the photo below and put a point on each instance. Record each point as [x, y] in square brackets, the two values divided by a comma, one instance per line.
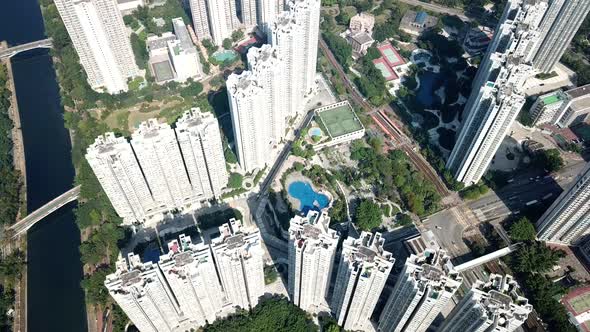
[237, 35]
[368, 215]
[209, 46]
[275, 314]
[522, 230]
[549, 159]
[373, 53]
[340, 48]
[536, 257]
[404, 220]
[235, 180]
[227, 43]
[191, 90]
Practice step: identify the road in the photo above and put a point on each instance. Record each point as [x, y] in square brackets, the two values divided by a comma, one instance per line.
[283, 156]
[529, 186]
[24, 224]
[438, 9]
[9, 52]
[384, 121]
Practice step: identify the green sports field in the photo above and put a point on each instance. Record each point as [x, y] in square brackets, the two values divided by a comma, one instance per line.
[340, 121]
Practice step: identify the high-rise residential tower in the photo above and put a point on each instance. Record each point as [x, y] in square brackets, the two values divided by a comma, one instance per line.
[158, 153]
[424, 287]
[312, 246]
[489, 306]
[562, 21]
[268, 10]
[362, 273]
[200, 18]
[190, 272]
[238, 256]
[566, 221]
[141, 290]
[295, 35]
[269, 69]
[114, 164]
[199, 138]
[223, 19]
[249, 13]
[497, 94]
[250, 112]
[102, 42]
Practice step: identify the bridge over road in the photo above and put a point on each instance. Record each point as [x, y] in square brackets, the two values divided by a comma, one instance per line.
[23, 225]
[8, 52]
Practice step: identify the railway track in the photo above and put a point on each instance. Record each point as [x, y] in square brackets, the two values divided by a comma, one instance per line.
[388, 126]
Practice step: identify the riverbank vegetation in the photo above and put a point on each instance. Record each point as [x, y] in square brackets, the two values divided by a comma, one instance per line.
[10, 181]
[274, 314]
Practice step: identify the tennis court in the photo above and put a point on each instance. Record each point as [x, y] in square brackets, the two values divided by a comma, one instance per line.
[340, 121]
[580, 303]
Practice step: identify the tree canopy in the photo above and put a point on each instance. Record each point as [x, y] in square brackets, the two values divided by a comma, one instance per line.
[549, 159]
[368, 215]
[522, 230]
[274, 314]
[536, 257]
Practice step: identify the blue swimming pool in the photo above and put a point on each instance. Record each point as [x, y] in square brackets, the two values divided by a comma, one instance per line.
[429, 83]
[309, 199]
[315, 131]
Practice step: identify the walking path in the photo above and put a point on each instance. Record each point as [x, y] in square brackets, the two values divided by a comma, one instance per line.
[20, 313]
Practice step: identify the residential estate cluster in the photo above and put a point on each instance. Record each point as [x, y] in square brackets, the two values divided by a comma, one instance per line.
[161, 169]
[165, 168]
[195, 284]
[530, 39]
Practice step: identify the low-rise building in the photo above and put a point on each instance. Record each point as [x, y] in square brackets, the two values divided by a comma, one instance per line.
[127, 7]
[360, 42]
[577, 109]
[415, 23]
[548, 107]
[173, 56]
[159, 62]
[362, 22]
[578, 310]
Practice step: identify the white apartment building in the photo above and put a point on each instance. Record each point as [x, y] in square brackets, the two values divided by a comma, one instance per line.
[158, 153]
[200, 18]
[562, 21]
[118, 172]
[249, 13]
[286, 37]
[489, 306]
[497, 94]
[183, 53]
[424, 288]
[199, 138]
[362, 273]
[566, 221]
[141, 290]
[312, 247]
[295, 35]
[190, 272]
[268, 10]
[307, 16]
[223, 19]
[101, 40]
[547, 107]
[238, 254]
[269, 69]
[250, 114]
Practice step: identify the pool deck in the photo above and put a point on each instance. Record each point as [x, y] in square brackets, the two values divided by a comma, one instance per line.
[297, 176]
